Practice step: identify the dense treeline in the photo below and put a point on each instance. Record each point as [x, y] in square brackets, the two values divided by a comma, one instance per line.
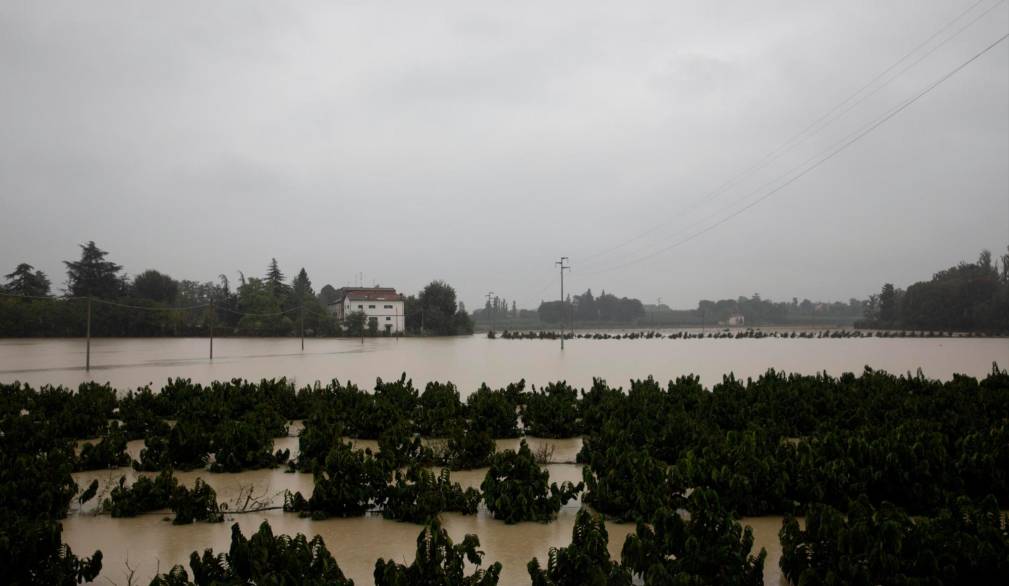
[155, 304]
[857, 454]
[967, 297]
[970, 297]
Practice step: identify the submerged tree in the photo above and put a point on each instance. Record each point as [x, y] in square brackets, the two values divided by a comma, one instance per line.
[418, 496]
[347, 484]
[708, 548]
[261, 559]
[516, 489]
[586, 561]
[439, 561]
[965, 543]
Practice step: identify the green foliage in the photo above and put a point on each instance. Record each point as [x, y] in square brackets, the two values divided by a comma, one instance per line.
[586, 562]
[107, 453]
[438, 410]
[242, 445]
[261, 559]
[198, 504]
[516, 489]
[24, 280]
[441, 315]
[164, 492]
[744, 468]
[145, 495]
[708, 548]
[967, 297]
[31, 553]
[261, 302]
[965, 543]
[494, 411]
[318, 436]
[347, 484]
[625, 482]
[155, 286]
[89, 493]
[439, 561]
[418, 496]
[92, 275]
[467, 448]
[399, 447]
[186, 447]
[136, 411]
[354, 323]
[35, 491]
[552, 412]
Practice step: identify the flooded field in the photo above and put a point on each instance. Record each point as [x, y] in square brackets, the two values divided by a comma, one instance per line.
[149, 543]
[469, 361]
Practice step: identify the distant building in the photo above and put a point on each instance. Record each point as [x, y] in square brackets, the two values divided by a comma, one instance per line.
[382, 306]
[735, 319]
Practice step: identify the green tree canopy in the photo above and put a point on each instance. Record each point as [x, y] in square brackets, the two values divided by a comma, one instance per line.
[155, 286]
[301, 287]
[436, 308]
[275, 281]
[92, 274]
[328, 295]
[26, 281]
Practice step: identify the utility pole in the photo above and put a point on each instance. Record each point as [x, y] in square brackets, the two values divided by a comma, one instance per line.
[212, 314]
[563, 267]
[303, 326]
[87, 352]
[490, 310]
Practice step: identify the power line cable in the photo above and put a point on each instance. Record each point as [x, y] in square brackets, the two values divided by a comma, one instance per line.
[818, 124]
[848, 141]
[43, 297]
[145, 308]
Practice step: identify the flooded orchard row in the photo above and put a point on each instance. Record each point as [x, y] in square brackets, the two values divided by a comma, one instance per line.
[149, 543]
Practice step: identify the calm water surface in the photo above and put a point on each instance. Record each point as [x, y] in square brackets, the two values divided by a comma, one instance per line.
[469, 361]
[149, 542]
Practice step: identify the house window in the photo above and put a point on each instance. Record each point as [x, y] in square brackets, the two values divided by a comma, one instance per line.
[388, 319]
[388, 307]
[359, 306]
[371, 307]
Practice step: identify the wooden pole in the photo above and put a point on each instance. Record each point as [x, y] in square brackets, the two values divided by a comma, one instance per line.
[87, 352]
[212, 314]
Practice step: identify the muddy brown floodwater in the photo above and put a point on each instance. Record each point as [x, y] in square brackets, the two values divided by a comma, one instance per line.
[469, 361]
[149, 542]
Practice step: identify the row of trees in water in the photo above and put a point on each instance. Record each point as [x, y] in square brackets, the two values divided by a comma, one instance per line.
[155, 304]
[858, 455]
[734, 334]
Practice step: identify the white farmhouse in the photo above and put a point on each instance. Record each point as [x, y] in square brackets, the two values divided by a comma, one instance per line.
[383, 307]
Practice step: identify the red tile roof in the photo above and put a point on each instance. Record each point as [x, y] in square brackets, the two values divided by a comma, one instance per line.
[369, 294]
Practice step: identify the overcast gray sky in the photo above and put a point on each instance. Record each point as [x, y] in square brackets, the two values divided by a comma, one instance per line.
[477, 142]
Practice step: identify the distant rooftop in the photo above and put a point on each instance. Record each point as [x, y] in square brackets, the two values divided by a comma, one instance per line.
[368, 294]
